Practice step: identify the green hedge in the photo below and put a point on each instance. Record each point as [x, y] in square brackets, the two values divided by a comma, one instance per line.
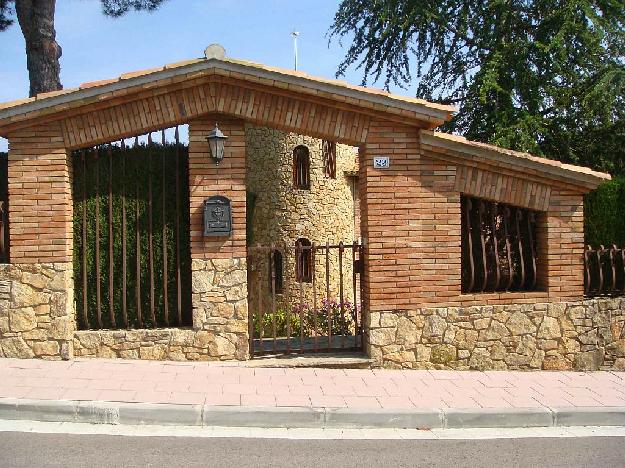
[604, 214]
[130, 177]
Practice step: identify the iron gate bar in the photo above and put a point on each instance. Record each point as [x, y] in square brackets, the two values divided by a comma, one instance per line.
[518, 217]
[483, 244]
[151, 233]
[330, 318]
[506, 217]
[469, 236]
[530, 220]
[97, 239]
[84, 241]
[494, 212]
[164, 234]
[138, 250]
[341, 294]
[601, 249]
[124, 266]
[110, 222]
[178, 269]
[314, 287]
[272, 266]
[354, 246]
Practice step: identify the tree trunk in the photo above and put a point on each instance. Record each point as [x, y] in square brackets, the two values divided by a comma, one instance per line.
[36, 18]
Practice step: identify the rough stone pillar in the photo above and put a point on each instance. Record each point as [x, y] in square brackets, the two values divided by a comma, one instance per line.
[36, 289]
[219, 271]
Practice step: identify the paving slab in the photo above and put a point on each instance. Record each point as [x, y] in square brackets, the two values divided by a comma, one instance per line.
[233, 394]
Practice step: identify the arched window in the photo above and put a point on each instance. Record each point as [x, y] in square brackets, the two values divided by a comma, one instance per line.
[303, 261]
[301, 167]
[328, 148]
[275, 272]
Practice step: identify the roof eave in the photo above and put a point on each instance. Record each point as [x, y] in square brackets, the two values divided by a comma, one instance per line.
[435, 115]
[584, 180]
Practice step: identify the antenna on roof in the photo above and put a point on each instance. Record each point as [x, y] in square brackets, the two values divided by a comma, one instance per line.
[294, 35]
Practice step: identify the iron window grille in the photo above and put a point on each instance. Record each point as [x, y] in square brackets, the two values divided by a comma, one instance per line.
[499, 247]
[301, 168]
[328, 149]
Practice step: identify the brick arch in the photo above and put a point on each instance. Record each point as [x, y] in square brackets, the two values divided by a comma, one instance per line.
[259, 105]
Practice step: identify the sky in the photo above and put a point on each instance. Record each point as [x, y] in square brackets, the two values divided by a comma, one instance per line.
[97, 47]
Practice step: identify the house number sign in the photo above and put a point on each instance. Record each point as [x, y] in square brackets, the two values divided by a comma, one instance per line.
[217, 216]
[381, 162]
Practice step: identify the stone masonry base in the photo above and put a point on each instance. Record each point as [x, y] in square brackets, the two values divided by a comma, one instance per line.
[585, 335]
[219, 323]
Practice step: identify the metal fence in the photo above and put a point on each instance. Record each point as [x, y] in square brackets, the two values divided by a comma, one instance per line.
[604, 271]
[318, 309]
[131, 228]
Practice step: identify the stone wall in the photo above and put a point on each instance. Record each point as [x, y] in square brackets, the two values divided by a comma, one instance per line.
[219, 322]
[282, 214]
[36, 311]
[584, 335]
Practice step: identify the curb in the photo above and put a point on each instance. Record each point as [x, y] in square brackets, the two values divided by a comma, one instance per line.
[120, 413]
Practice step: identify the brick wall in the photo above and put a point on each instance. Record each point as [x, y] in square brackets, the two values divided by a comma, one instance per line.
[40, 200]
[411, 223]
[207, 179]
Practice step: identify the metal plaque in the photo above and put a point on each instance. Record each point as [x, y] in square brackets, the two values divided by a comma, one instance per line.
[217, 216]
[381, 162]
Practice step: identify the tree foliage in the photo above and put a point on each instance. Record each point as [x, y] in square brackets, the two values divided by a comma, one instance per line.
[36, 20]
[6, 13]
[544, 76]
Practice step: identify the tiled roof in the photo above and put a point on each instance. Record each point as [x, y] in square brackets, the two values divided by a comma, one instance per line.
[584, 176]
[436, 113]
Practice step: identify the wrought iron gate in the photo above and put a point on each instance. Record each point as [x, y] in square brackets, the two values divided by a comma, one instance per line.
[305, 298]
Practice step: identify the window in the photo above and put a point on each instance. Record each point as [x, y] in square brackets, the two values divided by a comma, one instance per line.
[275, 272]
[301, 167]
[498, 247]
[328, 149]
[303, 261]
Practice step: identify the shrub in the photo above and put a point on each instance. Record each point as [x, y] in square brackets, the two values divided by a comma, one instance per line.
[604, 214]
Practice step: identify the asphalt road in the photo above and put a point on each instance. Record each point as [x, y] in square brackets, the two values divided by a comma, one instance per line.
[94, 451]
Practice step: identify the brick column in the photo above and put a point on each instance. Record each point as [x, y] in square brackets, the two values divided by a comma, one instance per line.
[563, 239]
[36, 289]
[391, 216]
[219, 271]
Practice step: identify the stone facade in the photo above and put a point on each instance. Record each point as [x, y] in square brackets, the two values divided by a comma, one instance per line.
[219, 323]
[584, 335]
[282, 213]
[36, 311]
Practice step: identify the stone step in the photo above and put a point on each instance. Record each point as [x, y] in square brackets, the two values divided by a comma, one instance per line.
[328, 361]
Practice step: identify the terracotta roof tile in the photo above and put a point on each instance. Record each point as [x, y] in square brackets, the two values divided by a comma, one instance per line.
[249, 64]
[546, 163]
[93, 84]
[50, 94]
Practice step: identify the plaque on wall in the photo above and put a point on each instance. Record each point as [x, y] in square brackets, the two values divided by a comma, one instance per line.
[217, 216]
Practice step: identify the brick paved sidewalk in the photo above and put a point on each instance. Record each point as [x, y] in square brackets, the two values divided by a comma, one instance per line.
[225, 384]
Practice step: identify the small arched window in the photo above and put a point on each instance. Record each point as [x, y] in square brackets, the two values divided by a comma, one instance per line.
[275, 272]
[329, 158]
[301, 167]
[303, 261]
